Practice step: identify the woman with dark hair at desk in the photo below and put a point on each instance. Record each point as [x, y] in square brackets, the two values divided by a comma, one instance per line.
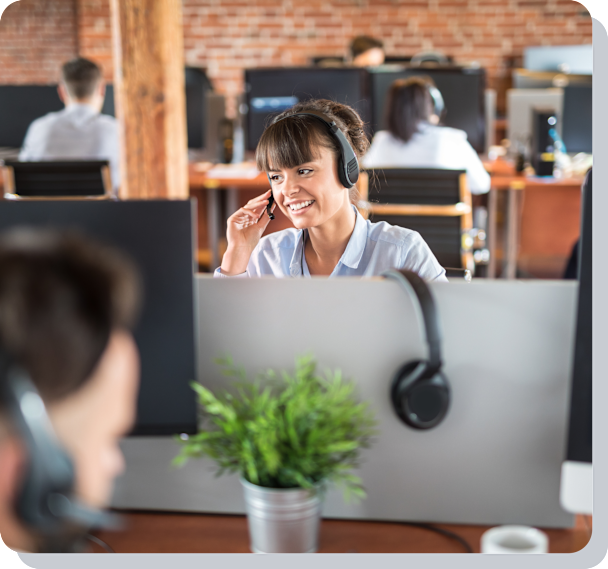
[310, 155]
[414, 138]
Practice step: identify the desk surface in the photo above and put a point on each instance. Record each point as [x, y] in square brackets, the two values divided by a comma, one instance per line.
[201, 533]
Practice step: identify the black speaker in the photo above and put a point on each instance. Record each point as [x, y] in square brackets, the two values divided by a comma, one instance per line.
[543, 144]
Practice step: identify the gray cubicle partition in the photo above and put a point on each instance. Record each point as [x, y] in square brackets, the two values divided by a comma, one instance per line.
[495, 459]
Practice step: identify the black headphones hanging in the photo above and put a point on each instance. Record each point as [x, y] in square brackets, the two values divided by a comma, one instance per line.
[348, 165]
[420, 392]
[45, 502]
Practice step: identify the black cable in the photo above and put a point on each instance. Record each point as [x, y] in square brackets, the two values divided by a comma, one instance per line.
[100, 542]
[443, 532]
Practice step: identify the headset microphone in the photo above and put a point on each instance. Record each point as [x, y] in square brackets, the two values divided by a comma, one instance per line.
[420, 392]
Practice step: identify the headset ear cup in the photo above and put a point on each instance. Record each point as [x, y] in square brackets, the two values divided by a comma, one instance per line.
[342, 173]
[420, 395]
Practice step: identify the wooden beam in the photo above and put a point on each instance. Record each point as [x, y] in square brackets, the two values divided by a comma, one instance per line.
[150, 97]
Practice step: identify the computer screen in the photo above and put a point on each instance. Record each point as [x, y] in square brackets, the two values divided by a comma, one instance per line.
[270, 91]
[564, 58]
[576, 484]
[577, 118]
[462, 90]
[161, 246]
[20, 105]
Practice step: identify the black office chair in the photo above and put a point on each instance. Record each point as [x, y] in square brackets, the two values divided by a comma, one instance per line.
[57, 179]
[434, 202]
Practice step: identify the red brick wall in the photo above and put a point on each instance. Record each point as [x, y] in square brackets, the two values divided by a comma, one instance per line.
[229, 35]
[95, 33]
[36, 37]
[226, 36]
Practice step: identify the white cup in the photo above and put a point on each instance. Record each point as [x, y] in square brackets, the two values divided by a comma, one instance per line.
[514, 539]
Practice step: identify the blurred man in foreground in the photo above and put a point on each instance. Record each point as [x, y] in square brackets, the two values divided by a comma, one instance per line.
[66, 309]
[79, 131]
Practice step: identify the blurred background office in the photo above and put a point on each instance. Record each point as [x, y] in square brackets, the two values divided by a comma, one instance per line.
[493, 62]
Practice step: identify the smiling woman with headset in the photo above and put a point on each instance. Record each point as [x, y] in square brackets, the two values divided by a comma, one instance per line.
[415, 139]
[310, 153]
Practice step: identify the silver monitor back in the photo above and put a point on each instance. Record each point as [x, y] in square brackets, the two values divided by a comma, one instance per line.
[520, 103]
[495, 459]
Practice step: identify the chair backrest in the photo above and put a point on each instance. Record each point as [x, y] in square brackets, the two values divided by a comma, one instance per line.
[428, 186]
[445, 215]
[57, 179]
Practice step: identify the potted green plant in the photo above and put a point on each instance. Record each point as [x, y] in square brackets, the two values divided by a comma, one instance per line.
[288, 436]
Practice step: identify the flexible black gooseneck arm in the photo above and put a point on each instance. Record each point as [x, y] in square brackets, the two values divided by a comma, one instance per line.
[421, 295]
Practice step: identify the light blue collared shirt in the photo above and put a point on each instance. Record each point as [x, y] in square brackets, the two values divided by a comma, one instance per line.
[372, 249]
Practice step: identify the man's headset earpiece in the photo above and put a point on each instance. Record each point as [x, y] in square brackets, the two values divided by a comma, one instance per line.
[348, 165]
[45, 503]
[420, 393]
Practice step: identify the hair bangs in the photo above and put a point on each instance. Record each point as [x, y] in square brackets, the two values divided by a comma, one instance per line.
[290, 142]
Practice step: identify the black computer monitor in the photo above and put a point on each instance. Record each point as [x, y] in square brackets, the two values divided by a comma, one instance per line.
[576, 483]
[270, 91]
[463, 91]
[161, 245]
[577, 118]
[20, 105]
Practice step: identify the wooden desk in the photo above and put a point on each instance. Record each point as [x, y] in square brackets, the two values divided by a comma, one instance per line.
[200, 533]
[542, 220]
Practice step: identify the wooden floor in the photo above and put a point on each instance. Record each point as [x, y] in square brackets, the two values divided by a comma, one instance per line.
[197, 533]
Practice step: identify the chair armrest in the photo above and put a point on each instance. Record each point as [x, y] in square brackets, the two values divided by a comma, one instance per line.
[455, 210]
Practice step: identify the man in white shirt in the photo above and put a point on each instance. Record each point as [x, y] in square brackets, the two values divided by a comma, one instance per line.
[79, 131]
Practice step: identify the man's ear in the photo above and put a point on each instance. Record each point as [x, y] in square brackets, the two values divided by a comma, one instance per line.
[101, 88]
[63, 93]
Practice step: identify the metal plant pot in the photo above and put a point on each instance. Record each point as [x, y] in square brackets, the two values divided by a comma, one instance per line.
[282, 520]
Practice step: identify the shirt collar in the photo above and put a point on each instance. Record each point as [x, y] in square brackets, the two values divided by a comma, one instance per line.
[356, 244]
[80, 108]
[351, 256]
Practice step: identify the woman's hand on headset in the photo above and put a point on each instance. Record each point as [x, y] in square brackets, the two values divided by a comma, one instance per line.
[245, 228]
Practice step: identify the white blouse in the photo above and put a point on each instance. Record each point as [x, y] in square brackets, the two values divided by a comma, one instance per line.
[431, 147]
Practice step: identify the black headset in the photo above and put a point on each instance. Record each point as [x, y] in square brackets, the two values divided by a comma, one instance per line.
[45, 503]
[348, 165]
[420, 392]
[437, 98]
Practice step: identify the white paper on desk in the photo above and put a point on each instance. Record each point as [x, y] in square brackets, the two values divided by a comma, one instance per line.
[231, 172]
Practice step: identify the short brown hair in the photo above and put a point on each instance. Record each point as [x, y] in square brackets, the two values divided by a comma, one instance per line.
[361, 44]
[408, 103]
[81, 77]
[293, 140]
[61, 296]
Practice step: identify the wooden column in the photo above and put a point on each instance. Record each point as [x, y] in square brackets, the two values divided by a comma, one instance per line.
[150, 97]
